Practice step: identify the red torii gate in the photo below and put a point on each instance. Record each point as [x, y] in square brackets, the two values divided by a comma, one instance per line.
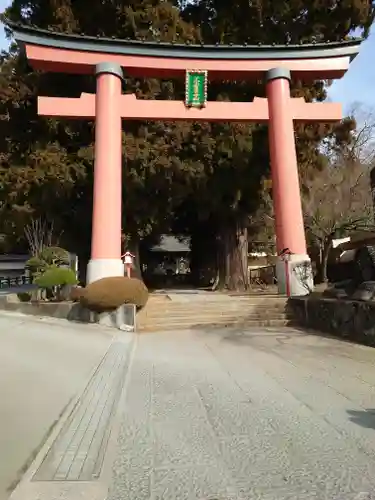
[106, 57]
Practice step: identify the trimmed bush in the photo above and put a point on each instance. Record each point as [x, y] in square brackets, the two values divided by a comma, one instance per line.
[76, 293]
[56, 276]
[48, 257]
[108, 294]
[55, 255]
[36, 265]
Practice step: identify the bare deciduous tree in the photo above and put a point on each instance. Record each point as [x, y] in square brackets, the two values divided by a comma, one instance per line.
[339, 202]
[339, 199]
[362, 147]
[39, 234]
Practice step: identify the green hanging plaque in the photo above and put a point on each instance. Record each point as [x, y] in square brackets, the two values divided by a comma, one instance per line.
[196, 88]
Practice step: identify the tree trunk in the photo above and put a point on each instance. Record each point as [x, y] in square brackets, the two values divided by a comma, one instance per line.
[323, 264]
[233, 253]
[221, 278]
[243, 248]
[133, 248]
[203, 262]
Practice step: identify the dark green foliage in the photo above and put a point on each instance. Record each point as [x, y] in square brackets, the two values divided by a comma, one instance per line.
[55, 255]
[76, 293]
[36, 265]
[24, 296]
[48, 256]
[109, 293]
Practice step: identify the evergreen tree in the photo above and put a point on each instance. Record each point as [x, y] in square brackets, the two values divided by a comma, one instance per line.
[154, 178]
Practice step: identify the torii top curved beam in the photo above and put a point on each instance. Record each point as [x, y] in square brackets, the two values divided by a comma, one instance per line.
[59, 52]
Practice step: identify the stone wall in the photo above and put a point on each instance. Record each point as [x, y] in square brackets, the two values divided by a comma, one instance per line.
[348, 319]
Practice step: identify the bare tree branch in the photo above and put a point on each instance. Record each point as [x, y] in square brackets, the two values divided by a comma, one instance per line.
[39, 235]
[339, 199]
[363, 145]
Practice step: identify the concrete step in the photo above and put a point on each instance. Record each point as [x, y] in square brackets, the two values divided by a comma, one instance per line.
[181, 325]
[216, 299]
[216, 296]
[185, 311]
[157, 327]
[210, 312]
[211, 318]
[218, 302]
[213, 305]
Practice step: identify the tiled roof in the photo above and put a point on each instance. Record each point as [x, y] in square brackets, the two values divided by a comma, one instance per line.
[34, 35]
[169, 243]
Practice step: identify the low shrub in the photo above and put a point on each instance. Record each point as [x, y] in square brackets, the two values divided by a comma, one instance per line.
[49, 256]
[76, 293]
[55, 255]
[56, 281]
[24, 296]
[107, 294]
[36, 266]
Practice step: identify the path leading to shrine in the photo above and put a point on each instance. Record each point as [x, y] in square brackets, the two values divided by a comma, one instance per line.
[43, 364]
[271, 414]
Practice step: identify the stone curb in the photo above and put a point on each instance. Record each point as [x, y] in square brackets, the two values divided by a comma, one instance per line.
[30, 489]
[122, 318]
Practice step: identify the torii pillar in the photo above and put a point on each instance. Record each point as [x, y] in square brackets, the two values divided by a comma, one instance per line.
[107, 205]
[289, 225]
[285, 181]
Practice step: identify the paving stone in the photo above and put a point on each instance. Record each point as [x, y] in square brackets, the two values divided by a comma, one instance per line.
[211, 417]
[78, 451]
[195, 481]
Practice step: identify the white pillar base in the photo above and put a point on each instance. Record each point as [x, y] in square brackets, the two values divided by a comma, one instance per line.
[103, 268]
[301, 281]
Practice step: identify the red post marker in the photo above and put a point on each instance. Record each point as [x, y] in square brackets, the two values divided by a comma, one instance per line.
[285, 255]
[287, 278]
[128, 260]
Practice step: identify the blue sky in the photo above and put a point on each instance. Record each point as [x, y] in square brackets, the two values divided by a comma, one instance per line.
[358, 83]
[357, 86]
[3, 41]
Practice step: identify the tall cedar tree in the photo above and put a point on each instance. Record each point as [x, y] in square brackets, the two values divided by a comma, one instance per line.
[155, 179]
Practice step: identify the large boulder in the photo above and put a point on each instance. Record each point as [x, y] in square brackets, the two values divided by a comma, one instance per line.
[365, 291]
[335, 293]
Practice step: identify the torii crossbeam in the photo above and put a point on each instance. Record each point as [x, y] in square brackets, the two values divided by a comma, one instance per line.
[131, 108]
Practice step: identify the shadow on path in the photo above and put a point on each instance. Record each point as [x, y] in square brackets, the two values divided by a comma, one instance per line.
[364, 418]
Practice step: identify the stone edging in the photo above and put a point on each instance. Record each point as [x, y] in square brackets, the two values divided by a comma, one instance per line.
[123, 318]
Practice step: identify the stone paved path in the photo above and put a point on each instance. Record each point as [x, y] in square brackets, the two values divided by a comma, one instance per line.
[223, 415]
[264, 415]
[43, 364]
